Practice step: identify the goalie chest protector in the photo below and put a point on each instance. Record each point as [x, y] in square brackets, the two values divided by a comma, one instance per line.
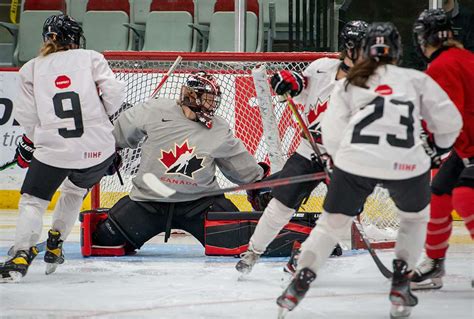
[229, 233]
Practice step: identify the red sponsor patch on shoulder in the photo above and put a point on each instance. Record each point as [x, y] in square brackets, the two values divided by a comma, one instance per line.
[384, 89]
[62, 82]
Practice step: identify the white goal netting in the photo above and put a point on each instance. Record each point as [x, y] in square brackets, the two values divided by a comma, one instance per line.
[142, 71]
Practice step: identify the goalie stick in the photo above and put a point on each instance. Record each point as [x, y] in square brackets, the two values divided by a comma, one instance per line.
[166, 76]
[384, 270]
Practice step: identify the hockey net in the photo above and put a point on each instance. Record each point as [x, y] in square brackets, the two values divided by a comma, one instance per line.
[142, 71]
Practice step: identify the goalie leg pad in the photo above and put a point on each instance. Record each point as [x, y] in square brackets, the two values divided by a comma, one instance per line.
[463, 202]
[320, 243]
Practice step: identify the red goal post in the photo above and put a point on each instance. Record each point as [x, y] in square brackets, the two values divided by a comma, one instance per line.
[142, 71]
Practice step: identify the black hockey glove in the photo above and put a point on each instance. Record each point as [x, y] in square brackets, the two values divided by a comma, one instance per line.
[24, 152]
[116, 164]
[286, 81]
[437, 154]
[259, 198]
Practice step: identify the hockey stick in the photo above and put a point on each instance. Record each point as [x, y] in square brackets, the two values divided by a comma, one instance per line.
[40, 247]
[8, 165]
[384, 270]
[167, 75]
[161, 189]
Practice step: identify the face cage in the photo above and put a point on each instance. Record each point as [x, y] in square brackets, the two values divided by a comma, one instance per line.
[203, 115]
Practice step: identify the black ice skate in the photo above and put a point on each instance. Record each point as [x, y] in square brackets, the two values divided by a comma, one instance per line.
[429, 274]
[247, 260]
[54, 251]
[292, 263]
[16, 268]
[400, 295]
[296, 290]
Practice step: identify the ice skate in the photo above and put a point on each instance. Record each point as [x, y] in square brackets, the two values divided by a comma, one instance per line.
[292, 263]
[247, 260]
[429, 274]
[400, 294]
[54, 251]
[296, 290]
[16, 268]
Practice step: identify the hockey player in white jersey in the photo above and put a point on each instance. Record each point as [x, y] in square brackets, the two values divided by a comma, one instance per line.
[312, 89]
[186, 143]
[68, 138]
[372, 131]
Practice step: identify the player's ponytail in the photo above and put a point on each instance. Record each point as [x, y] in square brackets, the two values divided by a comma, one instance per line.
[51, 46]
[361, 72]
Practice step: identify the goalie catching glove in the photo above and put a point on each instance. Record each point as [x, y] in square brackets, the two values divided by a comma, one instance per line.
[24, 152]
[259, 198]
[286, 81]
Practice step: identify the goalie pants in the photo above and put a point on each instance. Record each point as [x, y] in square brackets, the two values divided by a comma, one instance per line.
[452, 188]
[136, 222]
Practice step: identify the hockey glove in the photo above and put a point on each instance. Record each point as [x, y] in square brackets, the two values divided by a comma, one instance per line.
[259, 198]
[116, 164]
[286, 81]
[437, 154]
[24, 152]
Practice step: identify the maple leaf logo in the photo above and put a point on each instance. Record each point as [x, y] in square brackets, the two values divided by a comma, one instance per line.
[182, 161]
[315, 112]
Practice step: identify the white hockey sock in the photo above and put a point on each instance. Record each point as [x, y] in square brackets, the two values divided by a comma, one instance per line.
[318, 246]
[411, 235]
[67, 208]
[275, 216]
[30, 221]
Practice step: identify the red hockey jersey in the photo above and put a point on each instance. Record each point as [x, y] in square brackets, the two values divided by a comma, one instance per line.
[453, 69]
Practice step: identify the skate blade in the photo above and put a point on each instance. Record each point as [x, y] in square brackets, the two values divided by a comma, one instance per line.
[282, 312]
[400, 311]
[432, 283]
[50, 268]
[15, 276]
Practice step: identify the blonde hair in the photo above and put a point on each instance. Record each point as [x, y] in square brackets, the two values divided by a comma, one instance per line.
[51, 46]
[452, 43]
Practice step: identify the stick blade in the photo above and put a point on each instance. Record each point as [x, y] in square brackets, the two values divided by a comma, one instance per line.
[157, 186]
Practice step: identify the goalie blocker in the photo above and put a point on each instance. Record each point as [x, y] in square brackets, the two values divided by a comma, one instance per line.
[226, 234]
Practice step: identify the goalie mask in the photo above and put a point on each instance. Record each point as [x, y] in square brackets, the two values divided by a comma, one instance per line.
[202, 95]
[382, 42]
[432, 27]
[64, 30]
[351, 36]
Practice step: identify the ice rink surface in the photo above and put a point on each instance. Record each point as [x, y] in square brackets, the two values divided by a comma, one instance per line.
[176, 280]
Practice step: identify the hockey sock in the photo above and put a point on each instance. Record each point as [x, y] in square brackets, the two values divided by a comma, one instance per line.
[275, 216]
[67, 208]
[318, 246]
[30, 221]
[463, 202]
[411, 235]
[439, 226]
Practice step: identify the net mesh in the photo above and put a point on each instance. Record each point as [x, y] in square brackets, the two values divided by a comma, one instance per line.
[239, 107]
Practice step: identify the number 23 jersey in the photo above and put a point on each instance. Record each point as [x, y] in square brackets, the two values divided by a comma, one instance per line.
[61, 111]
[375, 132]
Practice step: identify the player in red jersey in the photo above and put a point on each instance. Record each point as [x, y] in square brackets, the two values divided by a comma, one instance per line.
[453, 187]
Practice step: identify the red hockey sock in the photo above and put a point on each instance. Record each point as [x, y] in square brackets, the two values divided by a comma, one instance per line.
[463, 202]
[439, 226]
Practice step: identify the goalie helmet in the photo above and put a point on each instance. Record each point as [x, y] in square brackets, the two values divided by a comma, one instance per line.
[202, 95]
[382, 41]
[432, 27]
[63, 29]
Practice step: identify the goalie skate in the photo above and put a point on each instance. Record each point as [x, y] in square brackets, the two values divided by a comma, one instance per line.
[400, 294]
[54, 252]
[14, 269]
[429, 274]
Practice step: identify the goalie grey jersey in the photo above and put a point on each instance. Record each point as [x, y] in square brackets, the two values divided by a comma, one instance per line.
[182, 153]
[375, 132]
[61, 111]
[321, 77]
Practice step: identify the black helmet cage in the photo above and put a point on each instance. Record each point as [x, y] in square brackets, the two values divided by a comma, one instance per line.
[432, 27]
[64, 30]
[382, 41]
[351, 36]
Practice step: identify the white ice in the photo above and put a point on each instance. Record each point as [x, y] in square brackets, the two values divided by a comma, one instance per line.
[176, 280]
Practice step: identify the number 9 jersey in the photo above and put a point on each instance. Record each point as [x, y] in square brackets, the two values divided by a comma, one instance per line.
[61, 111]
[375, 132]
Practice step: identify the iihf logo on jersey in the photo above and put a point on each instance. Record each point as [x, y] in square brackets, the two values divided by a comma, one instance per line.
[182, 161]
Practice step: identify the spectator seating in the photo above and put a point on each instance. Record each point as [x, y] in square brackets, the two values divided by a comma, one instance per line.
[77, 9]
[27, 34]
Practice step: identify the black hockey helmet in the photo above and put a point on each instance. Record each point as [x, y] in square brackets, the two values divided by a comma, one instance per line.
[63, 29]
[382, 41]
[202, 95]
[432, 27]
[352, 34]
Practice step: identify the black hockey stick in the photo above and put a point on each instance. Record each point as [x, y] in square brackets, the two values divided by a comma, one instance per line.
[8, 164]
[384, 270]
